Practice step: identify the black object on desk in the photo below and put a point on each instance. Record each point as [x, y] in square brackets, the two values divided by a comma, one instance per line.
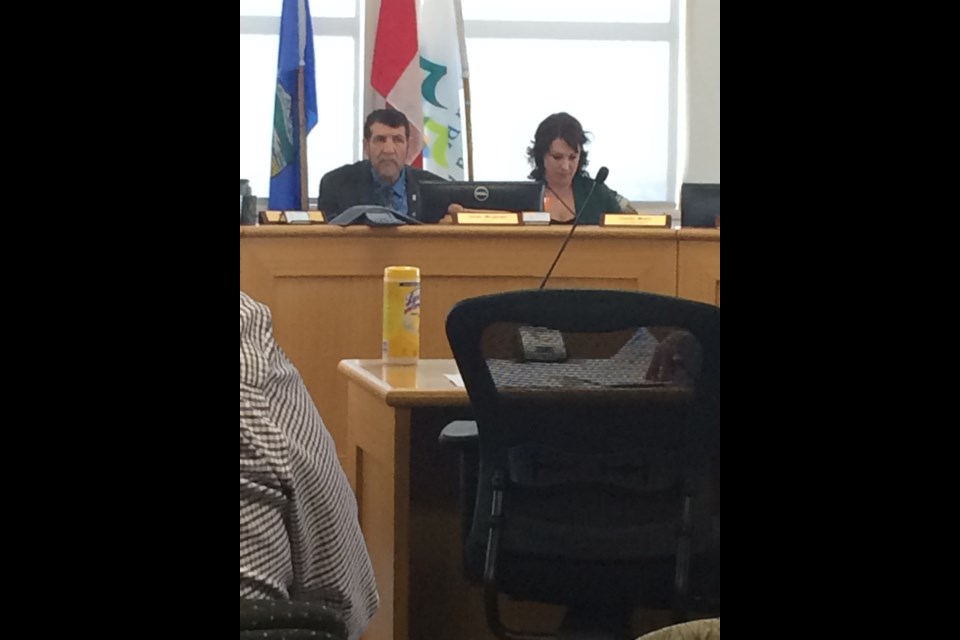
[699, 205]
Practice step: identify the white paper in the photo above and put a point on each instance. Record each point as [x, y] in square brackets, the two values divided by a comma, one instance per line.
[455, 378]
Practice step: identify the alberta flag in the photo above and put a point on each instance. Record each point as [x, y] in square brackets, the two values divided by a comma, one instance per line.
[295, 108]
[441, 43]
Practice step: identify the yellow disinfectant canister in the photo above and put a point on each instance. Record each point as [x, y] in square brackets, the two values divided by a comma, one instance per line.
[401, 315]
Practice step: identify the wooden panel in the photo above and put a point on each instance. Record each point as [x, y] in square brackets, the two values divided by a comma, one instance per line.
[380, 439]
[698, 265]
[324, 283]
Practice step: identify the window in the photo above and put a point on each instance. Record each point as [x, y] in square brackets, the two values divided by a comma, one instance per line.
[318, 8]
[612, 11]
[337, 54]
[611, 63]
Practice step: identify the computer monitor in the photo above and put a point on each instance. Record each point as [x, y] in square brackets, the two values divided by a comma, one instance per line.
[436, 196]
[699, 204]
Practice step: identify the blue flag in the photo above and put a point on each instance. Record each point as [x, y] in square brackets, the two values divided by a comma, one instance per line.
[287, 171]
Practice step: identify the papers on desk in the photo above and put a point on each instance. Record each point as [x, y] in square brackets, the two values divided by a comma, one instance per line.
[455, 378]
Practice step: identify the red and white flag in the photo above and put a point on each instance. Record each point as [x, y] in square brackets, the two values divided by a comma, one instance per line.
[395, 75]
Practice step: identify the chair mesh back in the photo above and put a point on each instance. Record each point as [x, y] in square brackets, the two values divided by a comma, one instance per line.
[596, 407]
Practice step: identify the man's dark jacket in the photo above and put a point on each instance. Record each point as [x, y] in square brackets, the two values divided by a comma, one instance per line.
[352, 184]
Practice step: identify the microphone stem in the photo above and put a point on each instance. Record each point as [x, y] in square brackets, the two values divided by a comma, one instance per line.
[559, 253]
[573, 227]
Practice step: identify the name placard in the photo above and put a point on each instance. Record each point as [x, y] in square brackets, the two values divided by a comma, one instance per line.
[301, 217]
[468, 216]
[270, 217]
[536, 217]
[295, 217]
[636, 220]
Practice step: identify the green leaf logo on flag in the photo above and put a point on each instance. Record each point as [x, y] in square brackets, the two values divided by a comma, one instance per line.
[284, 150]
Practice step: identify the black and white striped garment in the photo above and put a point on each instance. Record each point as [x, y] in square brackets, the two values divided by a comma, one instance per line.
[299, 533]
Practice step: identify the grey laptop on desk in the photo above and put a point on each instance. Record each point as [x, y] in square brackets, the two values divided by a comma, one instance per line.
[436, 196]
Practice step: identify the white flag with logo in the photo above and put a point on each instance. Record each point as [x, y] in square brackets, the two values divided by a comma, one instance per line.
[441, 33]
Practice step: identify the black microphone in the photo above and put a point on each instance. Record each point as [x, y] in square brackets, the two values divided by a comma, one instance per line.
[601, 176]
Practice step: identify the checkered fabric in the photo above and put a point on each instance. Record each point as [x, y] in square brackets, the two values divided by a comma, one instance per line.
[299, 533]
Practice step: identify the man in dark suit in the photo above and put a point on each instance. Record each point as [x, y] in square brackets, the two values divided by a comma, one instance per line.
[383, 178]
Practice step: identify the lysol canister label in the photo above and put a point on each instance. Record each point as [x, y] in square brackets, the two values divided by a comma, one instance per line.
[401, 315]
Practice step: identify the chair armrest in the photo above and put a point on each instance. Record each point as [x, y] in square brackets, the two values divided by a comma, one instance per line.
[260, 618]
[460, 434]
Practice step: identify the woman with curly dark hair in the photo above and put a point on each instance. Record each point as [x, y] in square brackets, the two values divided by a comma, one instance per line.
[559, 160]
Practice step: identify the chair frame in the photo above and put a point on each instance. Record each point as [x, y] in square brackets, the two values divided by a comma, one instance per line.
[597, 310]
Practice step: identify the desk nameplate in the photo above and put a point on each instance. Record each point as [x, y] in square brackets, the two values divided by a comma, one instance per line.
[636, 220]
[301, 217]
[291, 217]
[270, 217]
[536, 217]
[486, 217]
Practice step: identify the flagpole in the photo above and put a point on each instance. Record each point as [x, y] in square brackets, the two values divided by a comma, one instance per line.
[302, 130]
[469, 122]
[465, 74]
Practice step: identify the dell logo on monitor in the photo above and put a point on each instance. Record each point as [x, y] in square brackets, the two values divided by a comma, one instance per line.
[481, 193]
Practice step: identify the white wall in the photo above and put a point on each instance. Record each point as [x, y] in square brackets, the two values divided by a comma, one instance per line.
[703, 91]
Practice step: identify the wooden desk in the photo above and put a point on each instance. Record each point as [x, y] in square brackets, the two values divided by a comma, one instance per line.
[324, 283]
[698, 265]
[381, 403]
[406, 490]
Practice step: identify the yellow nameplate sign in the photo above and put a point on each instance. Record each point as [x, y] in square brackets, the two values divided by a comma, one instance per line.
[486, 217]
[636, 220]
[270, 217]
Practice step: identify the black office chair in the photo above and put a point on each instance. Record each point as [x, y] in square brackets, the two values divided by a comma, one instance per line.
[264, 619]
[593, 479]
[699, 204]
[461, 436]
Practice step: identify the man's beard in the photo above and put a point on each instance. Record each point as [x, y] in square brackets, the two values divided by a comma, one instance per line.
[389, 169]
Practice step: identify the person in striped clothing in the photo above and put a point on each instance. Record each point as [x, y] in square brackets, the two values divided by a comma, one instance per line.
[299, 533]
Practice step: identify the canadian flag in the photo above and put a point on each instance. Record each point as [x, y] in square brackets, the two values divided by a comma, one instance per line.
[395, 74]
